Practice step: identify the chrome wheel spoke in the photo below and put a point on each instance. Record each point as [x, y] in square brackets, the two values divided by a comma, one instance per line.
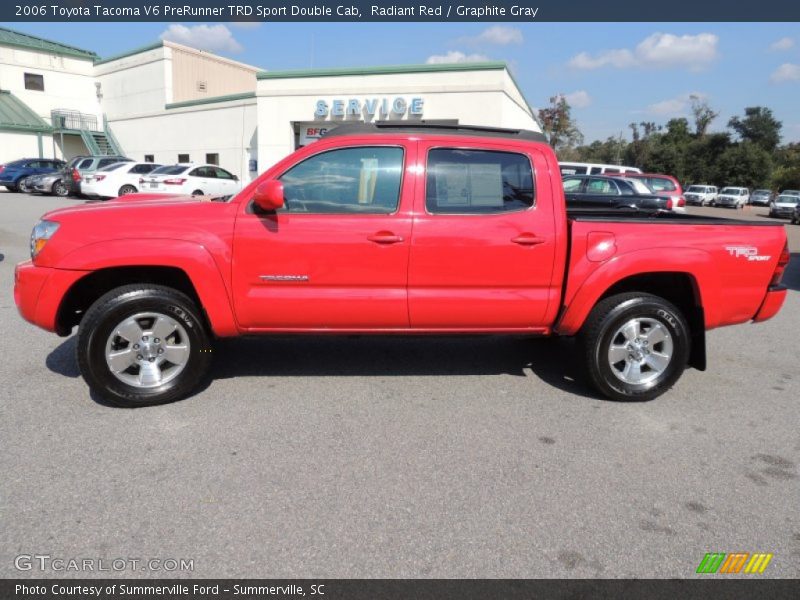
[657, 362]
[130, 330]
[149, 374]
[656, 334]
[617, 354]
[176, 354]
[121, 360]
[164, 327]
[631, 330]
[632, 371]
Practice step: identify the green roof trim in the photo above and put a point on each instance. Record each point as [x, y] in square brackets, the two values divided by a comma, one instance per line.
[385, 70]
[212, 100]
[17, 39]
[15, 115]
[147, 48]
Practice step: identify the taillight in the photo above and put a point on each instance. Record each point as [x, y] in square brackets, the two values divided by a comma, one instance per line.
[76, 176]
[669, 203]
[2, 168]
[781, 266]
[141, 180]
[99, 177]
[174, 181]
[681, 201]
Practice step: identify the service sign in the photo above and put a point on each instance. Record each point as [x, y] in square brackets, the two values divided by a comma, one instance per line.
[369, 108]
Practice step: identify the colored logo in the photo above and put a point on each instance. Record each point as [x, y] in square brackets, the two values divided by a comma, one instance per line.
[736, 562]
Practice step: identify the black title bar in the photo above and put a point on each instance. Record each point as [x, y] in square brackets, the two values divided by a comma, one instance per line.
[360, 11]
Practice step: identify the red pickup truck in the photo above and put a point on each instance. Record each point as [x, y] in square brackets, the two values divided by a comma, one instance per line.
[388, 229]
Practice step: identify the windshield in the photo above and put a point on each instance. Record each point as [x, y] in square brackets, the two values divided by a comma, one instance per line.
[169, 170]
[731, 191]
[697, 189]
[789, 199]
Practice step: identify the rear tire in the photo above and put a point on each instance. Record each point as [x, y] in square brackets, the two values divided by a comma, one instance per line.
[197, 193]
[635, 346]
[22, 186]
[126, 189]
[155, 339]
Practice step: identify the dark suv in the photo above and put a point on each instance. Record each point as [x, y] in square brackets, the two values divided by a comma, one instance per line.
[14, 173]
[80, 166]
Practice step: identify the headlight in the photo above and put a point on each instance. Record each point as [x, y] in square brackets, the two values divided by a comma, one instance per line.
[42, 232]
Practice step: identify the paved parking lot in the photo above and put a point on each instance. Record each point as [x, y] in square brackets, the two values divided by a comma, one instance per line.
[375, 457]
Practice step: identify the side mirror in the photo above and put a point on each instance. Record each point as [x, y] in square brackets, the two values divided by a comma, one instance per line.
[269, 195]
[236, 178]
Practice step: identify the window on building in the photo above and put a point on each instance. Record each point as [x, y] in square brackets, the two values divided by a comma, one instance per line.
[478, 182]
[183, 158]
[34, 82]
[149, 158]
[212, 159]
[363, 180]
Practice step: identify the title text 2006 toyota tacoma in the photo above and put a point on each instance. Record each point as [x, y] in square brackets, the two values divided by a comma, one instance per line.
[390, 228]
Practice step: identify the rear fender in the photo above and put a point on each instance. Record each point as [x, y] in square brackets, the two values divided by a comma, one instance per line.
[696, 263]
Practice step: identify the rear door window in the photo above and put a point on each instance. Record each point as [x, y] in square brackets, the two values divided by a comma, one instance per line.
[478, 182]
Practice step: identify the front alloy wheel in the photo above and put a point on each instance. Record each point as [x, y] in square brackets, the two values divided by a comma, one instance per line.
[140, 345]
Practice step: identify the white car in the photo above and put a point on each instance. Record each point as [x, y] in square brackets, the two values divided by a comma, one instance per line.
[737, 197]
[783, 205]
[191, 179]
[701, 194]
[116, 179]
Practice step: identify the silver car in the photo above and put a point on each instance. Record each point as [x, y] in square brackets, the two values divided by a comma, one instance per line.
[49, 183]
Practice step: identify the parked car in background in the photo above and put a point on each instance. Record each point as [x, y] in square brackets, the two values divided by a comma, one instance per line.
[50, 183]
[81, 166]
[662, 185]
[796, 215]
[191, 179]
[14, 175]
[116, 179]
[602, 191]
[735, 197]
[578, 168]
[700, 195]
[783, 205]
[790, 193]
[761, 197]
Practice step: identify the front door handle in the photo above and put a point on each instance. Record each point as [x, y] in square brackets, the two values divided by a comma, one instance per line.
[385, 237]
[528, 239]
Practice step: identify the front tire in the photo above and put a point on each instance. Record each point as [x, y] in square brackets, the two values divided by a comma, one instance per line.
[22, 186]
[635, 346]
[142, 345]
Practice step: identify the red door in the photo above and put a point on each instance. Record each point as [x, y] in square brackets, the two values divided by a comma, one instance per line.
[484, 241]
[336, 256]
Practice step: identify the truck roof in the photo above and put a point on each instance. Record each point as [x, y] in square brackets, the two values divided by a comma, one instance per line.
[433, 127]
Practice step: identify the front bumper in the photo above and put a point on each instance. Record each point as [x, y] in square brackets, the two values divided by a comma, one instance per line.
[38, 292]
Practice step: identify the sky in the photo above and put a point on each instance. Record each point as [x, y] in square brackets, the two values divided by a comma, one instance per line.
[612, 73]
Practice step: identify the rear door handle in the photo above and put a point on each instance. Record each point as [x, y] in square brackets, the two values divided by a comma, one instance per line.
[528, 239]
[385, 237]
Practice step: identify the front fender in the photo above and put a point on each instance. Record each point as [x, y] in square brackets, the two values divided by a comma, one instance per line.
[192, 258]
[696, 263]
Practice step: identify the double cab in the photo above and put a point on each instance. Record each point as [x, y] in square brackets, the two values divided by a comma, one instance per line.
[393, 228]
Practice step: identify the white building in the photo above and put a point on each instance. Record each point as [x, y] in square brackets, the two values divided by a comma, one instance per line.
[169, 103]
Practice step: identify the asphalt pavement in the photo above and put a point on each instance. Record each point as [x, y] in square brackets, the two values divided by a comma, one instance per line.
[390, 457]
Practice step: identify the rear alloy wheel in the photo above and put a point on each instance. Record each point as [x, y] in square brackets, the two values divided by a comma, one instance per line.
[143, 345]
[23, 186]
[126, 189]
[60, 188]
[636, 346]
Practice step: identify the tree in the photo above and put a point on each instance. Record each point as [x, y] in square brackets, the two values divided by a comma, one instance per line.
[746, 164]
[703, 115]
[557, 124]
[758, 126]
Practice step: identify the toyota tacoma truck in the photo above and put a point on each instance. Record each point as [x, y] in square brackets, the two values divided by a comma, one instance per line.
[393, 229]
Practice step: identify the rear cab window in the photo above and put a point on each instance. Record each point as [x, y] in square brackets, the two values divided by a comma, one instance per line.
[467, 181]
